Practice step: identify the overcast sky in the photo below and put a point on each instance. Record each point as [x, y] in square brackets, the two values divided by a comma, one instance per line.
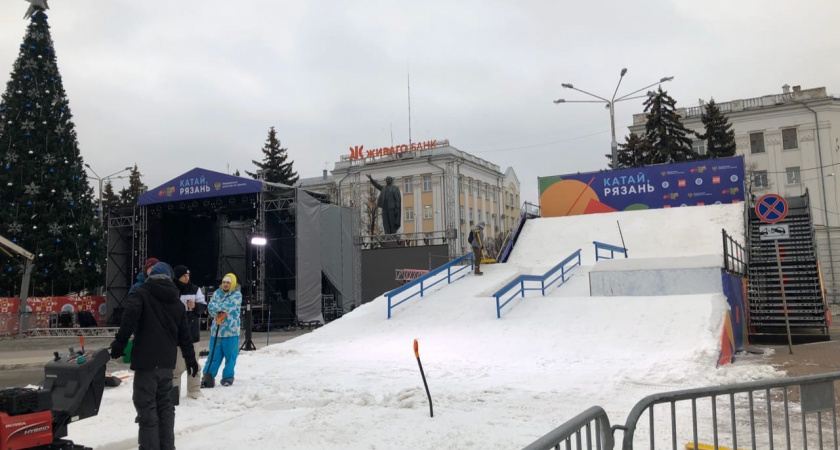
[172, 86]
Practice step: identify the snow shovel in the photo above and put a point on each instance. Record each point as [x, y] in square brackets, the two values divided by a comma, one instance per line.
[207, 380]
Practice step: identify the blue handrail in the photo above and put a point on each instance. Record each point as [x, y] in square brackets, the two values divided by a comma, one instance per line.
[521, 279]
[612, 248]
[422, 280]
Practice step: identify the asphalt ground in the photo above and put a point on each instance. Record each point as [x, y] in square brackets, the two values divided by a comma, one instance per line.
[22, 359]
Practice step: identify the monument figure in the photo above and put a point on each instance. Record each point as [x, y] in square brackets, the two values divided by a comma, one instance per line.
[390, 202]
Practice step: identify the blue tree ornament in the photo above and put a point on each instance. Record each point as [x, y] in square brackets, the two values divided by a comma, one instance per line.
[28, 203]
[58, 240]
[52, 170]
[9, 270]
[26, 77]
[31, 47]
[72, 203]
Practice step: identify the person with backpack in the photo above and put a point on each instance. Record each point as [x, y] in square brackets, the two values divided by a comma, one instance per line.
[225, 304]
[194, 303]
[155, 315]
[476, 241]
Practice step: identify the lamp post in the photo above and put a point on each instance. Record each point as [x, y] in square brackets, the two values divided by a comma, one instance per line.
[610, 104]
[248, 345]
[101, 180]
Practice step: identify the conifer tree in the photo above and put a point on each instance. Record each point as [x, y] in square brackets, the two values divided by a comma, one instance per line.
[665, 132]
[719, 136]
[274, 167]
[110, 201]
[132, 192]
[634, 152]
[46, 204]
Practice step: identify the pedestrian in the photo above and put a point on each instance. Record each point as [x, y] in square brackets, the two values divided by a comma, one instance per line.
[194, 303]
[224, 305]
[141, 277]
[477, 244]
[156, 317]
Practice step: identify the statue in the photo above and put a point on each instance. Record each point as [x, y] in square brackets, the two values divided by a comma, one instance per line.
[390, 202]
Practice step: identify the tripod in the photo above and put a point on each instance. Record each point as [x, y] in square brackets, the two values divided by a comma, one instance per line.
[248, 345]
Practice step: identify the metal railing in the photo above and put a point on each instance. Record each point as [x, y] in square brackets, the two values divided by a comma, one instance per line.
[612, 249]
[734, 255]
[757, 415]
[422, 281]
[521, 279]
[579, 428]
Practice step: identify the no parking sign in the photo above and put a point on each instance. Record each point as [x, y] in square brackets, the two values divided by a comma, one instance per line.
[771, 208]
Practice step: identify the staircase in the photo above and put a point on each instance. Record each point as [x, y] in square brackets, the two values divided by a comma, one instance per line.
[800, 278]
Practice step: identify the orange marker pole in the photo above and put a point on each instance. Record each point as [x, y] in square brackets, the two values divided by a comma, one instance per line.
[417, 354]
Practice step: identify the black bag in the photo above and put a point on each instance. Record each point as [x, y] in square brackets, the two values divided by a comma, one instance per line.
[194, 321]
[471, 236]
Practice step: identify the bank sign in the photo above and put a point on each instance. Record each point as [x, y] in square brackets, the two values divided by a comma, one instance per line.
[199, 183]
[696, 183]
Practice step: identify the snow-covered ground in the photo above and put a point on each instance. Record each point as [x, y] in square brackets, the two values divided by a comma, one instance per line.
[495, 383]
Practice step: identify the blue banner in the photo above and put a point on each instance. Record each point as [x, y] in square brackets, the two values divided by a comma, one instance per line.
[199, 183]
[708, 182]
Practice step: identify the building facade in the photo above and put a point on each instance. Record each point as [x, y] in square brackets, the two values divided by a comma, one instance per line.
[445, 191]
[790, 142]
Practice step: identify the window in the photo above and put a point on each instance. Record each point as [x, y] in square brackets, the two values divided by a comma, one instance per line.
[487, 217]
[427, 183]
[789, 141]
[427, 211]
[760, 178]
[470, 216]
[792, 175]
[756, 142]
[407, 181]
[469, 187]
[409, 213]
[699, 147]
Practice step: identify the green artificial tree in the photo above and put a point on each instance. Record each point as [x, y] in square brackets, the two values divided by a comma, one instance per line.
[46, 204]
[719, 136]
[135, 188]
[665, 132]
[274, 167]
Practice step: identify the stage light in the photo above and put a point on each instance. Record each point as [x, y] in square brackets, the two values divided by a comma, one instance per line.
[257, 240]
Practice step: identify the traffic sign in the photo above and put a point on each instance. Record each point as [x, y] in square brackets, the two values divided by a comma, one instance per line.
[771, 208]
[774, 231]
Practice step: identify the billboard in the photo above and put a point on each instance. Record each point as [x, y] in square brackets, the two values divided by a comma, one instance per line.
[695, 183]
[199, 183]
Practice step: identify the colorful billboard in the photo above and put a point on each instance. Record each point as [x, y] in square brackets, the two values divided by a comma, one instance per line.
[708, 182]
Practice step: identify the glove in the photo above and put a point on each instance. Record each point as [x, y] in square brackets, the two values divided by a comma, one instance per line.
[192, 367]
[117, 349]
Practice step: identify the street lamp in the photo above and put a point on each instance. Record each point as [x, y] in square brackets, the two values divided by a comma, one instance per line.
[101, 180]
[248, 345]
[610, 104]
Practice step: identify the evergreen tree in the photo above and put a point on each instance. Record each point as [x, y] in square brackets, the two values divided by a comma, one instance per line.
[46, 204]
[274, 167]
[634, 152]
[110, 201]
[236, 173]
[132, 192]
[719, 136]
[665, 132]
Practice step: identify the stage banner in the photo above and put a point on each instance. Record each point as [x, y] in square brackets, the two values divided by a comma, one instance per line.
[199, 183]
[42, 307]
[707, 182]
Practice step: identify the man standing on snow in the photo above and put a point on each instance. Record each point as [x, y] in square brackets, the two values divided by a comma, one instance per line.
[155, 315]
[193, 299]
[225, 303]
[478, 246]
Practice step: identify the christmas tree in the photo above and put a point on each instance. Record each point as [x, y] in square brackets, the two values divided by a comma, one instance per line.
[274, 167]
[719, 136]
[665, 132]
[46, 204]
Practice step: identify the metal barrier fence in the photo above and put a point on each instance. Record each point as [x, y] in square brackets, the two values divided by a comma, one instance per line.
[734, 255]
[521, 279]
[612, 248]
[576, 430]
[426, 279]
[756, 415]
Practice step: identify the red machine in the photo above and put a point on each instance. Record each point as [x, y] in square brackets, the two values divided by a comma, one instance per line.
[71, 391]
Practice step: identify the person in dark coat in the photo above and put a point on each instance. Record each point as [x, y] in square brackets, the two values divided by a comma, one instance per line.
[194, 303]
[391, 204]
[477, 245]
[155, 315]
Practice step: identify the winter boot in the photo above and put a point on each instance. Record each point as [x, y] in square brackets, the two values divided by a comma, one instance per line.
[478, 272]
[227, 381]
[195, 395]
[207, 381]
[175, 395]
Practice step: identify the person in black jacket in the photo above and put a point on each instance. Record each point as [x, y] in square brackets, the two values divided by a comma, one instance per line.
[194, 303]
[155, 315]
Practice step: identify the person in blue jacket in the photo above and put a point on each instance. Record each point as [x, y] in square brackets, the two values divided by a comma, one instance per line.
[142, 276]
[226, 302]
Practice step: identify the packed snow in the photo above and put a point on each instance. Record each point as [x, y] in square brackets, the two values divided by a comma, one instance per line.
[495, 383]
